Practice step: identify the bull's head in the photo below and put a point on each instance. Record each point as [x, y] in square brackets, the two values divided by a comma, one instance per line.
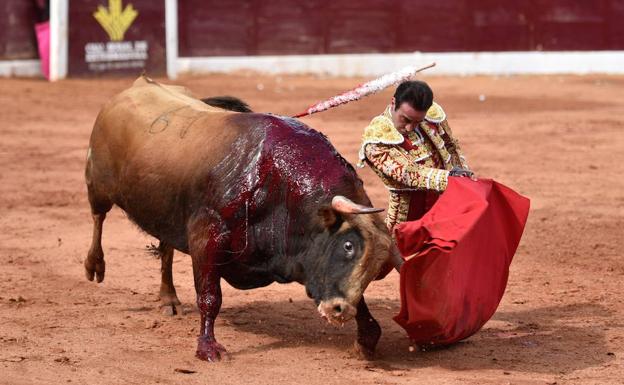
[352, 251]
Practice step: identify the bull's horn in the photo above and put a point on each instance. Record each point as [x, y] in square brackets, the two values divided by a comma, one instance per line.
[346, 206]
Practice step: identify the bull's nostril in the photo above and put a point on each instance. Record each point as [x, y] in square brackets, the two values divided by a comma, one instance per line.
[338, 309]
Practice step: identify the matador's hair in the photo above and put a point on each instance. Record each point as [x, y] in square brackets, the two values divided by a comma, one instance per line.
[416, 93]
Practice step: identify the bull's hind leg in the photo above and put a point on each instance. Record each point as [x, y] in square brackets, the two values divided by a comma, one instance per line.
[169, 299]
[94, 264]
[368, 332]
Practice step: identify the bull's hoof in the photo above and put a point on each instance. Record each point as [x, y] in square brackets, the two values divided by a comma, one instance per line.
[369, 333]
[362, 352]
[95, 269]
[171, 309]
[170, 304]
[210, 351]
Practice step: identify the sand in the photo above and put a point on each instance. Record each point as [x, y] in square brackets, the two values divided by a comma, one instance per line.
[556, 139]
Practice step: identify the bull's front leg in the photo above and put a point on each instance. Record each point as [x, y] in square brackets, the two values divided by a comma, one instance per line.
[207, 241]
[208, 290]
[368, 332]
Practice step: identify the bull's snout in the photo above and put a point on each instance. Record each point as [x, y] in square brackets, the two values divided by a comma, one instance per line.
[336, 310]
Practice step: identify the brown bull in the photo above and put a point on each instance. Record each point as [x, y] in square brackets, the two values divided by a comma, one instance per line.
[253, 198]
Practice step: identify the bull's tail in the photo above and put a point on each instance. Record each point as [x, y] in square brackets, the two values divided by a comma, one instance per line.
[229, 103]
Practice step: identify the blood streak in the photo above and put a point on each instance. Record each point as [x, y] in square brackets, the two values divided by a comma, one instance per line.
[292, 169]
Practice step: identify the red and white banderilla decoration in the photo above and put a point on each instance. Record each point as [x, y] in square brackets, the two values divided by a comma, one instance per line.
[365, 89]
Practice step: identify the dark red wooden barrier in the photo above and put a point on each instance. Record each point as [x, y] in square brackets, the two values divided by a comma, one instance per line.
[286, 27]
[269, 27]
[17, 33]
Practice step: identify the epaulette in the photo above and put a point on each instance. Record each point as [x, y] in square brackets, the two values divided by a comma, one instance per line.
[435, 114]
[380, 130]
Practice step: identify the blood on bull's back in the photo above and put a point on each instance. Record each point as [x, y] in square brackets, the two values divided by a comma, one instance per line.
[289, 169]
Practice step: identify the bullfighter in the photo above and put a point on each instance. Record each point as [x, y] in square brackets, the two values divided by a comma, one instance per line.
[410, 146]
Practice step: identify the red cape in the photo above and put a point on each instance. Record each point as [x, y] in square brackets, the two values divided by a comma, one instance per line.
[465, 245]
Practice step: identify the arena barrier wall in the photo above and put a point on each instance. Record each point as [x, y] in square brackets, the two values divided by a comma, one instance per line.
[18, 43]
[334, 37]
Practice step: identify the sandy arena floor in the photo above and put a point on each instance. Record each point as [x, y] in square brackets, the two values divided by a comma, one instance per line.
[558, 140]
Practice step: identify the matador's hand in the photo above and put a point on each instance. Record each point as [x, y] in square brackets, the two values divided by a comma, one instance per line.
[458, 171]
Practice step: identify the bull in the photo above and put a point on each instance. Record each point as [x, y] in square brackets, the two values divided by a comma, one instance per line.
[252, 198]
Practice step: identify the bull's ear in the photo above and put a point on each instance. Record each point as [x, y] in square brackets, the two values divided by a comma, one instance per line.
[327, 216]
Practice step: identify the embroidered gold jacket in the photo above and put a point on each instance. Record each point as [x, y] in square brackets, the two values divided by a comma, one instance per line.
[423, 167]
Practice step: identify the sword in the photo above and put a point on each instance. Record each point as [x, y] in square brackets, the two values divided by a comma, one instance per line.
[365, 89]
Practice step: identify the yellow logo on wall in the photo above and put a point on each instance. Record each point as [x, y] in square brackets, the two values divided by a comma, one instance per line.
[115, 21]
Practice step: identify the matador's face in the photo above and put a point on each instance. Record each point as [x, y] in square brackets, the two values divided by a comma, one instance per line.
[405, 118]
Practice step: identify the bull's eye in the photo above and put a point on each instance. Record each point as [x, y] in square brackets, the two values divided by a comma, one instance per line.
[349, 249]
